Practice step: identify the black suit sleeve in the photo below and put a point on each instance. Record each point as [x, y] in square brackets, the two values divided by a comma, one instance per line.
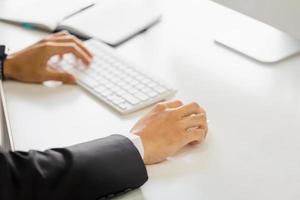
[89, 171]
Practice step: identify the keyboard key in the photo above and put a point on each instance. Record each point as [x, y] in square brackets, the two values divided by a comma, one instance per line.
[65, 65]
[103, 81]
[160, 89]
[131, 99]
[124, 105]
[140, 86]
[80, 67]
[128, 79]
[115, 80]
[146, 90]
[151, 84]
[115, 99]
[139, 77]
[133, 82]
[98, 78]
[132, 90]
[88, 81]
[100, 89]
[109, 85]
[127, 87]
[115, 88]
[141, 96]
[146, 80]
[152, 94]
[106, 93]
[121, 83]
[94, 76]
[120, 92]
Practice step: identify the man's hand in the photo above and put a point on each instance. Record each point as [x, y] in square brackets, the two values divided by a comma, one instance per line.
[169, 127]
[31, 64]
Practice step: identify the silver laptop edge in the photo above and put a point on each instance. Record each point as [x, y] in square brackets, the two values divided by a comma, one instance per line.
[8, 142]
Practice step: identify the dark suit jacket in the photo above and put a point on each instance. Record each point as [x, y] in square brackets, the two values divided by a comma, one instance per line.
[99, 169]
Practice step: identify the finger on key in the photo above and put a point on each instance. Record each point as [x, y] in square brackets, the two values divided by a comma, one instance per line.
[72, 39]
[53, 48]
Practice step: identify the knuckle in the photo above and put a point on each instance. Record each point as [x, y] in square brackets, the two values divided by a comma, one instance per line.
[198, 134]
[45, 44]
[197, 118]
[73, 37]
[72, 45]
[174, 114]
[203, 117]
[178, 102]
[48, 43]
[195, 104]
[203, 134]
[160, 106]
[65, 32]
[70, 37]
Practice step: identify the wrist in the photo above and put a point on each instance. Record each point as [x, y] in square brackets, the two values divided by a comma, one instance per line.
[8, 67]
[146, 157]
[142, 139]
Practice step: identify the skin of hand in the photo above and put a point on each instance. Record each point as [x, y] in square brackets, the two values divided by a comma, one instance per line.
[169, 127]
[31, 64]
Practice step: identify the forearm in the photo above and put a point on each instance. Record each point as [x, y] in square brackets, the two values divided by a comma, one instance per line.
[86, 171]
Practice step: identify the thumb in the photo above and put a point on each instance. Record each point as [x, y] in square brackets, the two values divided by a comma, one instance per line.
[60, 76]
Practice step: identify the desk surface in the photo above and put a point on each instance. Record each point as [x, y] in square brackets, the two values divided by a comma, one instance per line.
[252, 151]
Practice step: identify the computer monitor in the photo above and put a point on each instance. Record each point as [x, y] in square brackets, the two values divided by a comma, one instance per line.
[275, 37]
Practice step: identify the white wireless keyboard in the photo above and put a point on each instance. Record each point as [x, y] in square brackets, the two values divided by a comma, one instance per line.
[114, 81]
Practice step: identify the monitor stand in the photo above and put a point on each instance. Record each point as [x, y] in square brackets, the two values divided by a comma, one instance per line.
[259, 41]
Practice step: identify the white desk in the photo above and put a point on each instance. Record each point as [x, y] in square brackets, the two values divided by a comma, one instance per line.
[252, 151]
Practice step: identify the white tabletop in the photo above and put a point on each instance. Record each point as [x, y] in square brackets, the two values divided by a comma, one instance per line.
[252, 150]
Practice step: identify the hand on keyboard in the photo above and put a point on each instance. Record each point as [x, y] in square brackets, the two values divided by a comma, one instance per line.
[31, 64]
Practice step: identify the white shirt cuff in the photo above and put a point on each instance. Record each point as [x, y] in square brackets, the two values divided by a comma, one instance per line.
[137, 142]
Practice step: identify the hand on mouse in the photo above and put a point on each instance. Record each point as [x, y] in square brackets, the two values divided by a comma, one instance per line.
[31, 64]
[169, 127]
